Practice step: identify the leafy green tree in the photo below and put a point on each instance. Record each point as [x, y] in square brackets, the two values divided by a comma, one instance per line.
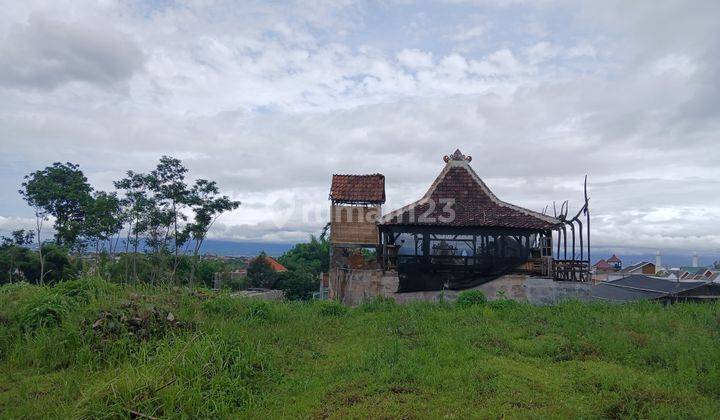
[167, 182]
[297, 284]
[58, 264]
[62, 191]
[207, 205]
[136, 205]
[13, 249]
[312, 257]
[103, 220]
[260, 273]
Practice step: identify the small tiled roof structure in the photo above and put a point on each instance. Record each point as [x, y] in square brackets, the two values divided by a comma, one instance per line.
[694, 270]
[459, 189]
[602, 265]
[358, 189]
[274, 264]
[614, 259]
[635, 267]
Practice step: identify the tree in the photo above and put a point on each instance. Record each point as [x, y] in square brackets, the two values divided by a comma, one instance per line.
[103, 220]
[62, 191]
[207, 206]
[136, 208]
[298, 284]
[14, 246]
[58, 263]
[260, 273]
[167, 181]
[312, 257]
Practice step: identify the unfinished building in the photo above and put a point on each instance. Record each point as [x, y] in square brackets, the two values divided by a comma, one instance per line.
[458, 236]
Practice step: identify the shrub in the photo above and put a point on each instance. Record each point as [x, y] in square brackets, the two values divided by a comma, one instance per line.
[471, 298]
[505, 304]
[330, 308]
[379, 304]
[259, 310]
[84, 290]
[297, 285]
[44, 310]
[223, 305]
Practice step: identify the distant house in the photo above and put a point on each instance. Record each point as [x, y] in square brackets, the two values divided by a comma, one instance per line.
[602, 265]
[694, 273]
[274, 264]
[639, 287]
[615, 262]
[646, 268]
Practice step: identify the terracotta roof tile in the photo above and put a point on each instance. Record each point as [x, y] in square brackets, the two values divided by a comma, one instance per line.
[473, 204]
[358, 188]
[273, 263]
[602, 265]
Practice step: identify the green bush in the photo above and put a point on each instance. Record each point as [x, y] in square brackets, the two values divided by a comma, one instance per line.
[83, 290]
[505, 304]
[223, 305]
[259, 310]
[43, 310]
[297, 285]
[330, 308]
[471, 298]
[379, 304]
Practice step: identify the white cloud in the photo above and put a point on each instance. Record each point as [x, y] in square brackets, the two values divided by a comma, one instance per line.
[467, 34]
[44, 54]
[271, 99]
[542, 51]
[415, 59]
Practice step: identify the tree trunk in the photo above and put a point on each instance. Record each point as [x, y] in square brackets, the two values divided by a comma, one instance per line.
[175, 244]
[38, 224]
[127, 251]
[135, 253]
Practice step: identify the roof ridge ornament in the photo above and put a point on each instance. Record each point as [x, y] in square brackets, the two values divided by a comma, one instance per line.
[458, 156]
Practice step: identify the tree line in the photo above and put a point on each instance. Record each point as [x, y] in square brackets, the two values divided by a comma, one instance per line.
[157, 214]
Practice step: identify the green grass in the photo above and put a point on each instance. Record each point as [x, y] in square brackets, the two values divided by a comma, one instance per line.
[218, 356]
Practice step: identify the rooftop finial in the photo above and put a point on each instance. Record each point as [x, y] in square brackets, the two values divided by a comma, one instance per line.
[457, 156]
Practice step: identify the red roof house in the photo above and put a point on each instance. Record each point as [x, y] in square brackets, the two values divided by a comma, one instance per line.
[603, 265]
[274, 264]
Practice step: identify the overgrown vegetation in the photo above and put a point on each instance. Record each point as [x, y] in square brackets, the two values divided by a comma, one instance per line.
[157, 213]
[149, 230]
[89, 348]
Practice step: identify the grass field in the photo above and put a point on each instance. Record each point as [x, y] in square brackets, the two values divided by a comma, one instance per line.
[91, 349]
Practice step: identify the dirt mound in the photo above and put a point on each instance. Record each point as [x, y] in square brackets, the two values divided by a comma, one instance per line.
[135, 320]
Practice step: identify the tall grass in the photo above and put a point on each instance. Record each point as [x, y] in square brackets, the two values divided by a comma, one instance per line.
[90, 349]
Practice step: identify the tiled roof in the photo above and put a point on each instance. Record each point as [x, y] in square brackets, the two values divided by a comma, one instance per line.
[274, 264]
[631, 268]
[602, 265]
[638, 287]
[613, 259]
[694, 270]
[460, 192]
[358, 188]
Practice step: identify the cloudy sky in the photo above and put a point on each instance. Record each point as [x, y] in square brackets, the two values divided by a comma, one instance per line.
[271, 98]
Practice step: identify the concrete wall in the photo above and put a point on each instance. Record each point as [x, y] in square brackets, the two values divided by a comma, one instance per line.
[352, 287]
